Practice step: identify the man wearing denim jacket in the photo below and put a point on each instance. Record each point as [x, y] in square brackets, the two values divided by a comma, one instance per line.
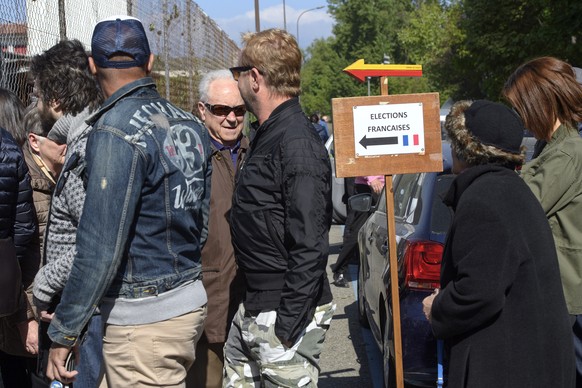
[144, 222]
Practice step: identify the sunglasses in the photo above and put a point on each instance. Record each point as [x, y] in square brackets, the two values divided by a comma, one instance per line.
[224, 110]
[239, 69]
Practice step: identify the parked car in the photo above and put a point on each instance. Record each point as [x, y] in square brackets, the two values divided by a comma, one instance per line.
[421, 223]
[337, 187]
[529, 141]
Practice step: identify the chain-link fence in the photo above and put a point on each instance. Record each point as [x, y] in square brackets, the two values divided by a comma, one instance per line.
[187, 42]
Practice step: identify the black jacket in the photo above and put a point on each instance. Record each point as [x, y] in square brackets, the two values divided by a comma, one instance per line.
[17, 216]
[280, 220]
[501, 309]
[17, 225]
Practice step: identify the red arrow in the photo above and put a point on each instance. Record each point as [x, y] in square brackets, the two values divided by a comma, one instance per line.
[359, 70]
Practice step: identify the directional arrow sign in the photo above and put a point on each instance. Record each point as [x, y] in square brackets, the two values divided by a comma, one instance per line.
[359, 70]
[376, 141]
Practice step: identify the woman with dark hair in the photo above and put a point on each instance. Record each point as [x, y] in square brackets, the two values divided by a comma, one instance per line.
[12, 115]
[548, 98]
[19, 259]
[500, 309]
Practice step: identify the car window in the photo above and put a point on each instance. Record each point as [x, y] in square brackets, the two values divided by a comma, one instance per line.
[405, 195]
[441, 214]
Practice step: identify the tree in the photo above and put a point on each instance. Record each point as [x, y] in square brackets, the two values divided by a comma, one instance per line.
[468, 48]
[430, 38]
[368, 28]
[317, 76]
[364, 29]
[501, 35]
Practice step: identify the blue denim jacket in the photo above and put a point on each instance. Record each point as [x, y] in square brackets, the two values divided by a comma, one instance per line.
[146, 210]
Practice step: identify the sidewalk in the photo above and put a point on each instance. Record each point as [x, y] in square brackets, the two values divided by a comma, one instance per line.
[344, 361]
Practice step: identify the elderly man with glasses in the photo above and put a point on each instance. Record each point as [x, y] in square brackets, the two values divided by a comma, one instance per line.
[222, 109]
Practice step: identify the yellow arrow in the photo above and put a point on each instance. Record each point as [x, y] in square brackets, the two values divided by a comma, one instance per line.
[360, 70]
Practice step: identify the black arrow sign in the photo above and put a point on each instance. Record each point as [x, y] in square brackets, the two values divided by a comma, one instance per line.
[375, 141]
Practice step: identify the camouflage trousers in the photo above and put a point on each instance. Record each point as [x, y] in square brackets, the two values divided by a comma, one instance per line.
[254, 356]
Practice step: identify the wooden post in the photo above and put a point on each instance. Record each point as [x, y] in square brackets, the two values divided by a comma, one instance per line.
[384, 86]
[394, 288]
[393, 262]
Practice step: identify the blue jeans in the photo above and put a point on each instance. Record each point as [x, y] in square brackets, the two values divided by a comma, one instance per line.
[90, 366]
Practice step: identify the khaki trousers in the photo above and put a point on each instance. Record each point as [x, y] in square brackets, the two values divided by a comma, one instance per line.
[156, 354]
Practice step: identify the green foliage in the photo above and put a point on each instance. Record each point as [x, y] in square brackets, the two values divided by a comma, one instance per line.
[468, 48]
[317, 77]
[368, 28]
[322, 78]
[180, 92]
[501, 35]
[322, 75]
[430, 38]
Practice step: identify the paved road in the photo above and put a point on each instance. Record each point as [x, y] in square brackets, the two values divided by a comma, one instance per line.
[349, 358]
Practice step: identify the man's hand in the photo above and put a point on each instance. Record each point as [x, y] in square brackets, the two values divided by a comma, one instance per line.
[427, 304]
[29, 335]
[56, 369]
[45, 316]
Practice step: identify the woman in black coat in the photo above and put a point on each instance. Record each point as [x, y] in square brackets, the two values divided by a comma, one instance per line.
[17, 221]
[17, 266]
[500, 309]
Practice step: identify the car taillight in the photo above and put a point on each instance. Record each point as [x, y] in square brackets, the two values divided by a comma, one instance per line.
[422, 261]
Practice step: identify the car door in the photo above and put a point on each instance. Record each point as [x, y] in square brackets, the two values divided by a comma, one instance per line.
[373, 235]
[376, 240]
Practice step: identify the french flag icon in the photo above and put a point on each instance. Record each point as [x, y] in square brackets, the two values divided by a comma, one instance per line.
[405, 140]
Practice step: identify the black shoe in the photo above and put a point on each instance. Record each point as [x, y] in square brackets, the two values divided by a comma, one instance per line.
[340, 280]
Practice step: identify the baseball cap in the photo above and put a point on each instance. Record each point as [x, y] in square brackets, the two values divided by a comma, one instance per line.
[123, 35]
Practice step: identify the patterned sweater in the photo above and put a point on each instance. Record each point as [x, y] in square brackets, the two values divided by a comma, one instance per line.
[66, 208]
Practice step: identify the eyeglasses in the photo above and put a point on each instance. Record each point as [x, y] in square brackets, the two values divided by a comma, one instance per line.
[239, 69]
[224, 110]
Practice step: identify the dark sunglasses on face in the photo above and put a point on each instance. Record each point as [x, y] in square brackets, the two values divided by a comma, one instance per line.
[224, 110]
[239, 69]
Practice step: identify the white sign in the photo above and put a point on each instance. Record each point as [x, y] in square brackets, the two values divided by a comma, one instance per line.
[388, 129]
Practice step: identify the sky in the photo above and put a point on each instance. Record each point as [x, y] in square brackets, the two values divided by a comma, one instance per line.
[238, 16]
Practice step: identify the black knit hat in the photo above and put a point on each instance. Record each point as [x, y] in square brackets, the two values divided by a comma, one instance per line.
[495, 125]
[485, 132]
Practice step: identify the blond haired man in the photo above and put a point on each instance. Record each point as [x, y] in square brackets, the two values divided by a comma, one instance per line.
[280, 220]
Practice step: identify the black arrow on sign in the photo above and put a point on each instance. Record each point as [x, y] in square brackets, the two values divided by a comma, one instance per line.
[374, 141]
